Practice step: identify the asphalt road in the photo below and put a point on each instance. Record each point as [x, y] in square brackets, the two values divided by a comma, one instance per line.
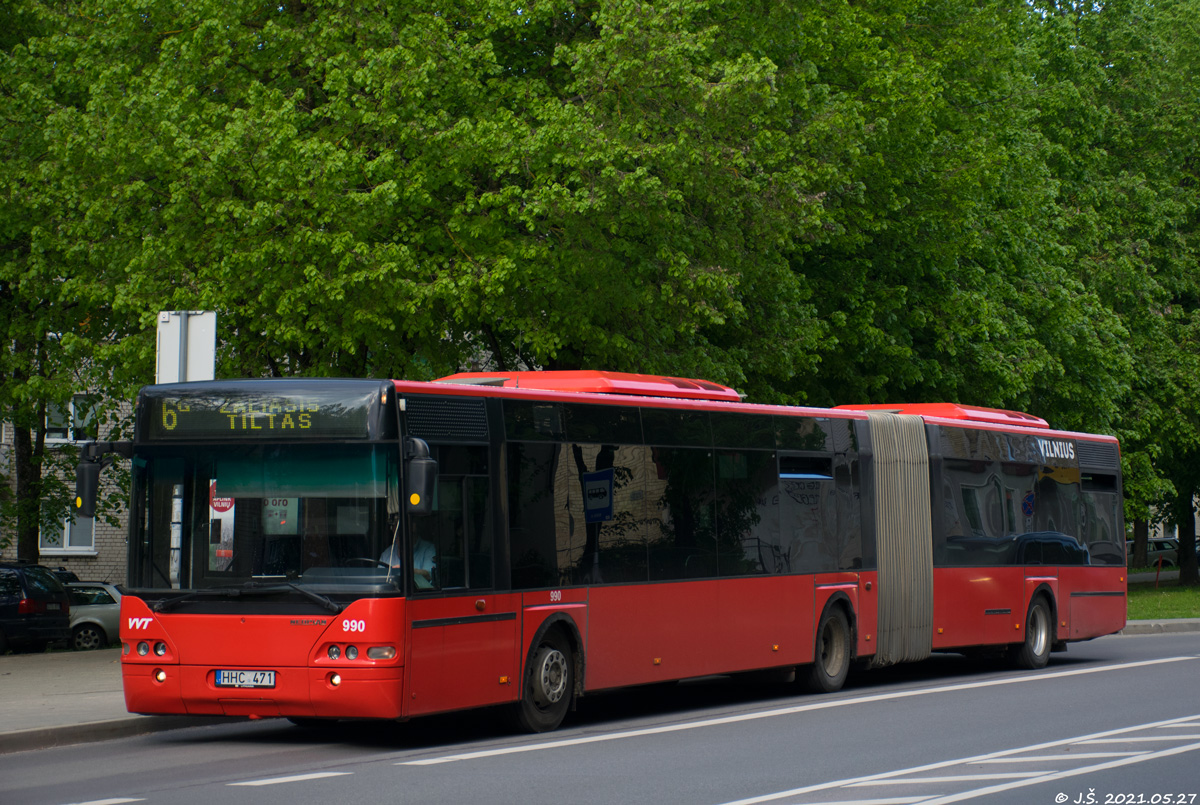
[1117, 717]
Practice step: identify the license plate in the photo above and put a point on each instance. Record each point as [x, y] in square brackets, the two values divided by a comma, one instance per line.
[53, 606]
[245, 679]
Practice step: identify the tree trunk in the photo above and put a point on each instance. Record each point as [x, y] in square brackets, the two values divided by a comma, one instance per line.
[27, 458]
[1141, 536]
[1189, 574]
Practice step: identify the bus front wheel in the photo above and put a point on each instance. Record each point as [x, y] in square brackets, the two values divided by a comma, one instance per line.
[831, 662]
[549, 685]
[1034, 653]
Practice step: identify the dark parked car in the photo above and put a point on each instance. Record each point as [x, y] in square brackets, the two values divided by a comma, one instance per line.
[34, 608]
[64, 575]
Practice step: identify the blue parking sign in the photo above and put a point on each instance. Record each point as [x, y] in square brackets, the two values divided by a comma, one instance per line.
[598, 496]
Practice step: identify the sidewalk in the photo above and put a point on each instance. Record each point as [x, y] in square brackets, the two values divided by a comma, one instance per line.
[71, 697]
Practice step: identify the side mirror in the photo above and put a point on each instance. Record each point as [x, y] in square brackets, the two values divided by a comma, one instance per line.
[87, 487]
[420, 478]
[93, 458]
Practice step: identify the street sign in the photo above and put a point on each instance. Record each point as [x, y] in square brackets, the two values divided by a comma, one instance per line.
[187, 346]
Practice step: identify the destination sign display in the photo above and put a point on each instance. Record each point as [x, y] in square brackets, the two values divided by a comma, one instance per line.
[260, 410]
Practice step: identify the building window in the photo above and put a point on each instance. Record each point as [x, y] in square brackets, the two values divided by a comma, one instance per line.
[73, 537]
[72, 422]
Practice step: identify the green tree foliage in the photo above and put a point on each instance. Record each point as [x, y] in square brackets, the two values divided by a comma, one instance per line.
[1118, 108]
[816, 201]
[361, 189]
[48, 319]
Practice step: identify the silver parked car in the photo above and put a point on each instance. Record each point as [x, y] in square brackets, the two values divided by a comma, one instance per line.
[1158, 549]
[95, 614]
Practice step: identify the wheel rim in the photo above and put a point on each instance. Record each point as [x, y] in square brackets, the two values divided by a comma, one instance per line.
[551, 678]
[833, 648]
[87, 639]
[1039, 631]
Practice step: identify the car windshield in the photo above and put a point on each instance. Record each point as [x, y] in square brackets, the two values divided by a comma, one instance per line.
[260, 516]
[42, 583]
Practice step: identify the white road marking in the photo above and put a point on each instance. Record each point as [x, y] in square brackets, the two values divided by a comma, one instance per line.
[1062, 775]
[784, 711]
[952, 778]
[1059, 758]
[295, 778]
[1143, 739]
[109, 801]
[1041, 778]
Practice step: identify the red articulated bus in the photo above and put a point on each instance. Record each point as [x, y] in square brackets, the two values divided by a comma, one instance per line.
[349, 549]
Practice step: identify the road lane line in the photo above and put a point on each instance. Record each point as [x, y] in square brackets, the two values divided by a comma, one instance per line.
[951, 778]
[295, 778]
[785, 711]
[1142, 739]
[109, 801]
[1062, 775]
[943, 764]
[1064, 756]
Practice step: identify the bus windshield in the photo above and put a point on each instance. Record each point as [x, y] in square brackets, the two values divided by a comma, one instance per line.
[224, 515]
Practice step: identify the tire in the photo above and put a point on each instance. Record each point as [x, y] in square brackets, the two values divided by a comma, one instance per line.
[88, 637]
[3, 643]
[1034, 653]
[831, 658]
[549, 685]
[310, 723]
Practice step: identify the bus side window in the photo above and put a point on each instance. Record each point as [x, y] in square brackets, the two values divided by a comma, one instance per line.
[809, 510]
[453, 547]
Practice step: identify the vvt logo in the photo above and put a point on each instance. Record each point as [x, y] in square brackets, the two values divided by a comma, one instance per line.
[140, 623]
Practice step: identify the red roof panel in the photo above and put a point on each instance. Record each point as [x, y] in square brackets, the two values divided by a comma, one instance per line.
[970, 413]
[597, 382]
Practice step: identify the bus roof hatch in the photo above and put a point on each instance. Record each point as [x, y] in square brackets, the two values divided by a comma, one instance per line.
[597, 382]
[970, 413]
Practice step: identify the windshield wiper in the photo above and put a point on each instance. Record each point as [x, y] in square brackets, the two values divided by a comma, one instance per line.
[169, 603]
[327, 603]
[249, 588]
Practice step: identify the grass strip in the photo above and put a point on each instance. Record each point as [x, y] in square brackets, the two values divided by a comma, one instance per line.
[1169, 600]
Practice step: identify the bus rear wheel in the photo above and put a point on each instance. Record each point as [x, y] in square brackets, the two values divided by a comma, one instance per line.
[549, 685]
[831, 661]
[1034, 653]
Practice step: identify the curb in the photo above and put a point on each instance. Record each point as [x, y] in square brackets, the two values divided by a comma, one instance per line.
[1179, 626]
[94, 731]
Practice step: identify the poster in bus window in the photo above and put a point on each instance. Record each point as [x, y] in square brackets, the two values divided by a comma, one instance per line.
[220, 530]
[598, 496]
[279, 516]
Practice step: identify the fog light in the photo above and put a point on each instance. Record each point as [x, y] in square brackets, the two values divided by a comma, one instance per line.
[335, 679]
[143, 649]
[160, 675]
[381, 653]
[334, 652]
[160, 649]
[352, 652]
